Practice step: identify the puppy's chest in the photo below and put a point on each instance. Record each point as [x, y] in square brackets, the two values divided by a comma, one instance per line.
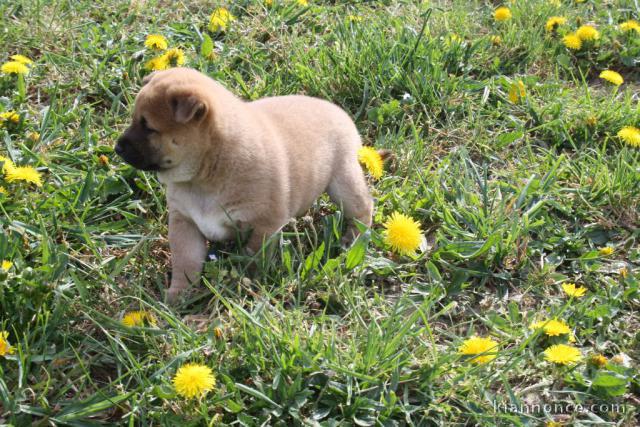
[207, 214]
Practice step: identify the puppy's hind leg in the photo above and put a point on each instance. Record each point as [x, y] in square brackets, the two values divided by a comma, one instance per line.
[348, 189]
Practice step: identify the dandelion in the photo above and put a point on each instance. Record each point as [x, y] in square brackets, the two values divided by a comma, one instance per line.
[156, 41]
[33, 136]
[354, 18]
[268, 3]
[103, 160]
[23, 173]
[572, 41]
[612, 77]
[574, 291]
[496, 40]
[502, 14]
[5, 348]
[193, 380]
[562, 354]
[587, 33]
[139, 318]
[6, 164]
[554, 22]
[14, 67]
[9, 116]
[372, 160]
[517, 92]
[3, 190]
[630, 135]
[402, 233]
[303, 2]
[220, 19]
[21, 59]
[174, 57]
[485, 349]
[622, 359]
[598, 360]
[624, 272]
[553, 424]
[158, 63]
[591, 120]
[6, 265]
[630, 25]
[552, 328]
[606, 251]
[217, 331]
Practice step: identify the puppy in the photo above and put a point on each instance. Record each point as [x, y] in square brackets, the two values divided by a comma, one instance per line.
[231, 165]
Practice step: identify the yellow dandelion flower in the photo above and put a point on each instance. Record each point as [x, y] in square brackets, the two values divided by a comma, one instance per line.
[496, 40]
[573, 42]
[606, 251]
[217, 331]
[372, 160]
[630, 135]
[158, 63]
[9, 116]
[591, 120]
[174, 57]
[303, 2]
[485, 349]
[5, 347]
[598, 360]
[622, 359]
[552, 328]
[624, 272]
[553, 424]
[220, 19]
[156, 41]
[574, 291]
[502, 14]
[6, 265]
[21, 59]
[562, 354]
[354, 18]
[612, 77]
[554, 22]
[33, 136]
[587, 33]
[193, 380]
[517, 92]
[14, 67]
[103, 160]
[630, 25]
[23, 173]
[139, 318]
[268, 3]
[3, 190]
[6, 164]
[402, 234]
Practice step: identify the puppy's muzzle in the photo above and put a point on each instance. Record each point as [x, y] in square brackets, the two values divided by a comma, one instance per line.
[132, 153]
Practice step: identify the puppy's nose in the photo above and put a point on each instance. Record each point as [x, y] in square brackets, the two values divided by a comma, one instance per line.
[120, 146]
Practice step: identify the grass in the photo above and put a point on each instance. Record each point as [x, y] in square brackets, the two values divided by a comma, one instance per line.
[514, 198]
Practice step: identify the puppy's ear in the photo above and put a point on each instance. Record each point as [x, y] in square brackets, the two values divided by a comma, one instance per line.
[187, 107]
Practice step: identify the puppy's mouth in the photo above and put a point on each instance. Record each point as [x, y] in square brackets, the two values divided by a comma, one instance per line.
[131, 155]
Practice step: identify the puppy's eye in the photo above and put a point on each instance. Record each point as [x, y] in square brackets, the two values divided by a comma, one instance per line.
[145, 126]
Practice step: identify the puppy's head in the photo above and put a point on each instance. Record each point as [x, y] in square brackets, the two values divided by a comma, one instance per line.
[170, 122]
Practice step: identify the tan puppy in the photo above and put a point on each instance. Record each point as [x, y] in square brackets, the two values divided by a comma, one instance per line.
[232, 165]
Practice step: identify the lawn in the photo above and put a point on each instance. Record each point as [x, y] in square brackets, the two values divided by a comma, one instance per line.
[519, 163]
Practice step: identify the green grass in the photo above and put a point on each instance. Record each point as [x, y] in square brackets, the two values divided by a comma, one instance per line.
[514, 200]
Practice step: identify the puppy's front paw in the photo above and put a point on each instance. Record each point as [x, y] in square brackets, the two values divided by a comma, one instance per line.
[173, 295]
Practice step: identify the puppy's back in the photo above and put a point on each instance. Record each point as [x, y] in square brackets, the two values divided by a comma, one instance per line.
[318, 138]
